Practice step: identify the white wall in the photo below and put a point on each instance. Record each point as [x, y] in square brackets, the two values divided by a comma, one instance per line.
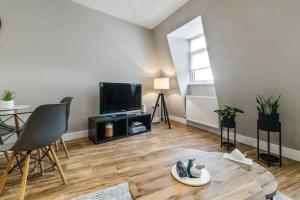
[202, 90]
[254, 49]
[55, 48]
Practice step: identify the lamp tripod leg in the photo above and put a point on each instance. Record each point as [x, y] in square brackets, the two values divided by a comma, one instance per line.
[162, 116]
[156, 105]
[166, 111]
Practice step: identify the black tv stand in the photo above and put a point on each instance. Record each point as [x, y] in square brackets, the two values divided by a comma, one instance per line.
[120, 126]
[123, 114]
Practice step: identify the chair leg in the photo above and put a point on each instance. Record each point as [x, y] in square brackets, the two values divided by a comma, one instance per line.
[56, 146]
[6, 156]
[24, 177]
[48, 153]
[47, 150]
[39, 156]
[5, 153]
[6, 171]
[60, 171]
[65, 147]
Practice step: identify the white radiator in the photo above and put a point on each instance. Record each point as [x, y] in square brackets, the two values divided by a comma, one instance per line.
[200, 109]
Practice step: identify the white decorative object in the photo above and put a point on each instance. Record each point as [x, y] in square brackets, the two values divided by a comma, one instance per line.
[196, 170]
[7, 104]
[144, 108]
[202, 180]
[237, 157]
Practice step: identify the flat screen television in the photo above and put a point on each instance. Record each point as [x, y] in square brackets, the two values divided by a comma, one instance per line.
[120, 97]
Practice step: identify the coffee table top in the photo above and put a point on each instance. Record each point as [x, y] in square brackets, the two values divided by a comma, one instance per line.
[228, 180]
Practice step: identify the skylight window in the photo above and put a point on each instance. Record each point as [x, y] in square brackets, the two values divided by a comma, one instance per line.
[199, 61]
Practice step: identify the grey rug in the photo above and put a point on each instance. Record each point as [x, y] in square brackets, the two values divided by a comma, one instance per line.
[117, 192]
[121, 192]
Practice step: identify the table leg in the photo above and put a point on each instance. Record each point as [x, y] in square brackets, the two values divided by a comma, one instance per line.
[18, 129]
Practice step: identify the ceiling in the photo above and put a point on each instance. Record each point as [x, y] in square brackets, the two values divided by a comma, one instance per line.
[146, 13]
[189, 30]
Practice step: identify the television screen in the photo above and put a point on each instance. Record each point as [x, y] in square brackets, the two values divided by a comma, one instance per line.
[120, 97]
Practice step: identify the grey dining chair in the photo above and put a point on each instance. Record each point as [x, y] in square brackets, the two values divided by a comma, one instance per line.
[44, 127]
[68, 101]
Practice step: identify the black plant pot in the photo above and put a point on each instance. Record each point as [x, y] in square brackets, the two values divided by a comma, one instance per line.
[268, 122]
[228, 122]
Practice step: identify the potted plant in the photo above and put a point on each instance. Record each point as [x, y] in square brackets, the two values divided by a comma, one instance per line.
[7, 100]
[268, 115]
[227, 115]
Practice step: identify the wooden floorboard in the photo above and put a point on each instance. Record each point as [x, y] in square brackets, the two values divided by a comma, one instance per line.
[94, 167]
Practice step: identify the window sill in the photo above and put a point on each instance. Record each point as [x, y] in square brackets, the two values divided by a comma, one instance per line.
[200, 83]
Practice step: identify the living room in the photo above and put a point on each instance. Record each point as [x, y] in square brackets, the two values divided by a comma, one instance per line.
[139, 99]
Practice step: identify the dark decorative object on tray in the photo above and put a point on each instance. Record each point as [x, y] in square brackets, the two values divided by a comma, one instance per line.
[192, 170]
[190, 165]
[181, 169]
[227, 116]
[268, 120]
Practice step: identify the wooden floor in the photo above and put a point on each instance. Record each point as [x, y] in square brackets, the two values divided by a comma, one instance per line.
[93, 167]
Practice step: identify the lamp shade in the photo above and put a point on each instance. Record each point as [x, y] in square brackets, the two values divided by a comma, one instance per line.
[161, 83]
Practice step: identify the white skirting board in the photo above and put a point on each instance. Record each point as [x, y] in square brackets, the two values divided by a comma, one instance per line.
[286, 152]
[75, 135]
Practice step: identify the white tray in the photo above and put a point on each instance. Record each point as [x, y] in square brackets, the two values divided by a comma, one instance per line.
[202, 180]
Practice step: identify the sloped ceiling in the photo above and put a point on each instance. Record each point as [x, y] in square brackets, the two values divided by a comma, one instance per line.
[146, 13]
[254, 49]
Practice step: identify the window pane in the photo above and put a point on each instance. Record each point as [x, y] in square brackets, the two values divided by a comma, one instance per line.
[198, 43]
[200, 60]
[203, 74]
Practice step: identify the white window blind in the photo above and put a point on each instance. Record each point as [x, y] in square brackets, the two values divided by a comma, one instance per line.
[199, 61]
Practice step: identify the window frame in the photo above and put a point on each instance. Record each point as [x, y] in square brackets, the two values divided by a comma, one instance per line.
[192, 71]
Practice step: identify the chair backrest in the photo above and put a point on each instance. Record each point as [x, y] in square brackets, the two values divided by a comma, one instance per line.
[45, 125]
[68, 101]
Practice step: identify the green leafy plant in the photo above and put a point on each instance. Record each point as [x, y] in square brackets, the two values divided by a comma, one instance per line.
[267, 106]
[228, 112]
[8, 95]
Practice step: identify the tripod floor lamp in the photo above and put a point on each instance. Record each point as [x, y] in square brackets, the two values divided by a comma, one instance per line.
[161, 84]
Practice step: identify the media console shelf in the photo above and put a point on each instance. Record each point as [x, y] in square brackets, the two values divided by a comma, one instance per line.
[120, 124]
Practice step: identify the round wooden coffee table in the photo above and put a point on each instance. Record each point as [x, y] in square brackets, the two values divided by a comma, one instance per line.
[228, 180]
